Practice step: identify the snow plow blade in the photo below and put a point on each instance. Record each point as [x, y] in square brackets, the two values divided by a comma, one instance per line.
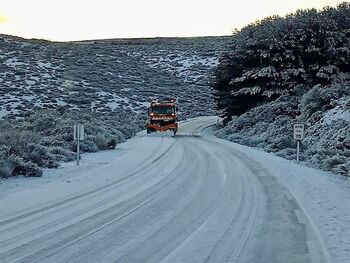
[154, 128]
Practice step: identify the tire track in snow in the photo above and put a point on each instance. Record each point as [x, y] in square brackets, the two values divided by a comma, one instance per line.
[185, 221]
[77, 197]
[306, 245]
[82, 252]
[213, 205]
[154, 163]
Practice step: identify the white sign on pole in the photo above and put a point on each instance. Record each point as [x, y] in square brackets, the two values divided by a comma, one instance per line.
[75, 132]
[298, 131]
[298, 136]
[81, 132]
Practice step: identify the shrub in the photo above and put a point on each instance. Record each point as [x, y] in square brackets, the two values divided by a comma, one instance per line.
[101, 141]
[41, 156]
[32, 143]
[283, 142]
[26, 168]
[331, 162]
[112, 144]
[62, 155]
[5, 169]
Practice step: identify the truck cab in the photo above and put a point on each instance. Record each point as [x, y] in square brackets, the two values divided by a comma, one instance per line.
[162, 116]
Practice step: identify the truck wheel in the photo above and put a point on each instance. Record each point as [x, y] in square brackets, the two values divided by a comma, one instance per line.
[149, 130]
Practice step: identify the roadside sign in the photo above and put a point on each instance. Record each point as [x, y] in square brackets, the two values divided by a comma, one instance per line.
[298, 131]
[78, 134]
[81, 132]
[298, 135]
[75, 132]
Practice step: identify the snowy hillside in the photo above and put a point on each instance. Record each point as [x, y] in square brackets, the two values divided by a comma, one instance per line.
[107, 75]
[46, 87]
[282, 71]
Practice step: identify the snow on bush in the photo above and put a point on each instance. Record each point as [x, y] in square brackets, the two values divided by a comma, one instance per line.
[45, 138]
[281, 71]
[5, 166]
[325, 111]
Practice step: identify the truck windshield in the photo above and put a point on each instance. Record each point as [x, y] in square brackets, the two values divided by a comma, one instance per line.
[163, 110]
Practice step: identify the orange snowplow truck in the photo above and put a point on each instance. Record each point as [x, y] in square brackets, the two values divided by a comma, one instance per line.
[162, 116]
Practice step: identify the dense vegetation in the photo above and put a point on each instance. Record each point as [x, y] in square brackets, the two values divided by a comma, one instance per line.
[280, 71]
[278, 56]
[45, 138]
[106, 76]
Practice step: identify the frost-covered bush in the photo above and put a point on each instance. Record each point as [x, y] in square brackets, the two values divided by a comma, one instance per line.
[24, 167]
[281, 143]
[41, 156]
[322, 98]
[104, 141]
[281, 71]
[331, 162]
[15, 153]
[287, 153]
[88, 145]
[45, 138]
[5, 171]
[111, 144]
[311, 102]
[5, 165]
[342, 169]
[327, 135]
[101, 141]
[62, 155]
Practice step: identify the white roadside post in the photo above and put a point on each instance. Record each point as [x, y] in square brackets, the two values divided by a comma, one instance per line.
[298, 136]
[78, 136]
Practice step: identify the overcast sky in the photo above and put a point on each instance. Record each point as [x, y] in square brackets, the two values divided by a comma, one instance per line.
[65, 20]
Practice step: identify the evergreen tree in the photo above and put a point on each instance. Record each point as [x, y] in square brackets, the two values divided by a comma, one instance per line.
[277, 56]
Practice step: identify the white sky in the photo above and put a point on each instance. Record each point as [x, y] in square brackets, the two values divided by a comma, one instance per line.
[65, 20]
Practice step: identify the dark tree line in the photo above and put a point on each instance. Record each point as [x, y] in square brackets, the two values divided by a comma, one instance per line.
[278, 56]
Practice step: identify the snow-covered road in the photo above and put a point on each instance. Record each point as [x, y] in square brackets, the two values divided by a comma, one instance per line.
[189, 198]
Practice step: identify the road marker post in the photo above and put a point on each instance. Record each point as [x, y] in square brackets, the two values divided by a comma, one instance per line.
[298, 135]
[78, 136]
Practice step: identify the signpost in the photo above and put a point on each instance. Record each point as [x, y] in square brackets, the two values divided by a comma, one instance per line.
[298, 136]
[78, 136]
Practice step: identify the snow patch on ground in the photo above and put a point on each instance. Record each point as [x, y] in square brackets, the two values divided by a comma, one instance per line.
[13, 62]
[44, 64]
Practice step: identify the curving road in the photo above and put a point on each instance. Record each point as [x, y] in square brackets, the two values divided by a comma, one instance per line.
[190, 198]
